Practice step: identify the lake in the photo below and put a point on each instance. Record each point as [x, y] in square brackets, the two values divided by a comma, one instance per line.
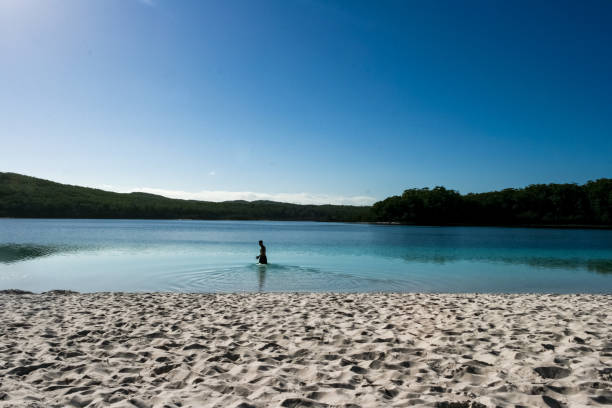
[219, 256]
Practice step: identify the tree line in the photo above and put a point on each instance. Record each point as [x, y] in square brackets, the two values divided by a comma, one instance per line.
[540, 204]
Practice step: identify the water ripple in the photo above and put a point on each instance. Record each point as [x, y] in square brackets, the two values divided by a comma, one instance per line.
[272, 278]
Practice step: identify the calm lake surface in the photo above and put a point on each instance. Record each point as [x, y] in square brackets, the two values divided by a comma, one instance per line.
[219, 256]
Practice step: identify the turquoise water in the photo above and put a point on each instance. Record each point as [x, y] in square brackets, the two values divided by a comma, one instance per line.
[219, 256]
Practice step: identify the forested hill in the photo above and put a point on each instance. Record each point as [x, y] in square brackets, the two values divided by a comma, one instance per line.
[30, 197]
[536, 205]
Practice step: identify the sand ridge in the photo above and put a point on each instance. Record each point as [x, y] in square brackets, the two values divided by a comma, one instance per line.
[305, 350]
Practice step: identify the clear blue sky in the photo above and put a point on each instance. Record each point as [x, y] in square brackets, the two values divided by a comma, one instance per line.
[332, 99]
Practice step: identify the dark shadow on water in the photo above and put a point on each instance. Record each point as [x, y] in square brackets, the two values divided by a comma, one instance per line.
[11, 253]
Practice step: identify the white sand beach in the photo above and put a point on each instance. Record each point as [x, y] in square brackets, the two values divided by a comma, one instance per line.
[305, 350]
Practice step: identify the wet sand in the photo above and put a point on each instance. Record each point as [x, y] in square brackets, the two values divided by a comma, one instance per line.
[305, 350]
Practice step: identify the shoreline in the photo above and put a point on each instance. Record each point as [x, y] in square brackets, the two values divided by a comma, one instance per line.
[59, 292]
[305, 349]
[388, 223]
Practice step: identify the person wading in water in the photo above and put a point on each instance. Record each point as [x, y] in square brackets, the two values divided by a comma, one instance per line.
[262, 254]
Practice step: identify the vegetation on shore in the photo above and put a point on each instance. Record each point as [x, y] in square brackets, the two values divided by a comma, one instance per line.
[539, 204]
[29, 197]
[536, 205]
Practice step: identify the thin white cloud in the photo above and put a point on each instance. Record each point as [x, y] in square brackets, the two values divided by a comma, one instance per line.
[212, 173]
[217, 196]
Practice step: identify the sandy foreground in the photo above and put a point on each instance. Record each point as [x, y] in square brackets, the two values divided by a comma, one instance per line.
[305, 350]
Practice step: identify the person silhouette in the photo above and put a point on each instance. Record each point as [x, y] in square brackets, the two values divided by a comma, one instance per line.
[262, 254]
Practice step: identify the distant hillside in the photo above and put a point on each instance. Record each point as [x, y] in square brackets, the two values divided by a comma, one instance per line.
[563, 205]
[30, 197]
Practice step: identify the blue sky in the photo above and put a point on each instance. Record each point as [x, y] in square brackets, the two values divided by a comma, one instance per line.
[305, 100]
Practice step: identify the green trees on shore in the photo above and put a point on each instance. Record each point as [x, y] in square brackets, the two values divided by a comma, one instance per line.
[541, 204]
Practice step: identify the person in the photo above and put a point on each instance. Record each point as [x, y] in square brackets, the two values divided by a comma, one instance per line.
[262, 254]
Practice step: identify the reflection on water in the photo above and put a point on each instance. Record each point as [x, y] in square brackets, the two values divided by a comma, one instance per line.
[591, 265]
[261, 276]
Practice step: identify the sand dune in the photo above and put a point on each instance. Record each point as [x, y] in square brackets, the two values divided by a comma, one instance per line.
[305, 350]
